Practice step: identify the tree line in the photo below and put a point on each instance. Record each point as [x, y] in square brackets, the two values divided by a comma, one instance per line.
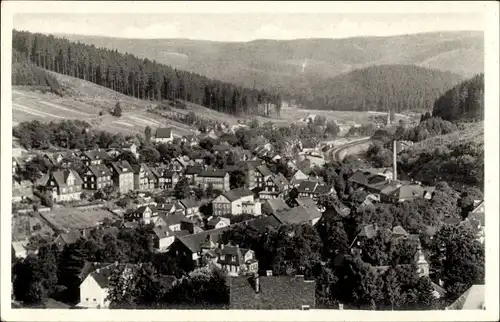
[463, 102]
[140, 78]
[26, 73]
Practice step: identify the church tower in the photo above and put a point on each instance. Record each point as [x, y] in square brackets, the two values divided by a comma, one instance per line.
[422, 264]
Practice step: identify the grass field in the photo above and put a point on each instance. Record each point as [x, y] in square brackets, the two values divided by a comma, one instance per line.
[84, 100]
[73, 218]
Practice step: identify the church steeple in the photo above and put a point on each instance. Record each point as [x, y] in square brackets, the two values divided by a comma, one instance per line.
[422, 264]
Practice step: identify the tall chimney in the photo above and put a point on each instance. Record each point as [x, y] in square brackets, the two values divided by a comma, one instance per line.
[394, 161]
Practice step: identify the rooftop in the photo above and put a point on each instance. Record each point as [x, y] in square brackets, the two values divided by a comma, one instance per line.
[298, 215]
[472, 299]
[100, 170]
[237, 193]
[163, 133]
[275, 293]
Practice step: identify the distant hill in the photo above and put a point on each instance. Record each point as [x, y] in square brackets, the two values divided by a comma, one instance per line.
[294, 64]
[464, 102]
[379, 88]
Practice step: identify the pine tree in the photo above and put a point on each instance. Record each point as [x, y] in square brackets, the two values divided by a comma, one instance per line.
[425, 295]
[117, 110]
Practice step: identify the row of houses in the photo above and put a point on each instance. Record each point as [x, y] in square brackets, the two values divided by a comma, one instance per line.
[251, 291]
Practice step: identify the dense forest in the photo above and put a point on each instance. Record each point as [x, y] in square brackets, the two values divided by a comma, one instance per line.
[26, 73]
[464, 102]
[141, 78]
[380, 88]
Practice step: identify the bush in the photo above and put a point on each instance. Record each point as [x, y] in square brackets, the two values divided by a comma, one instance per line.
[117, 112]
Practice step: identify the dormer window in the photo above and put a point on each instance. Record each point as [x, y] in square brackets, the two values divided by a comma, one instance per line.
[305, 307]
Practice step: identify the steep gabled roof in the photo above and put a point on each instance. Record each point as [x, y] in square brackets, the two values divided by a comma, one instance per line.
[61, 177]
[122, 167]
[360, 177]
[280, 181]
[194, 241]
[297, 215]
[193, 169]
[229, 250]
[70, 237]
[189, 203]
[472, 299]
[163, 133]
[276, 293]
[98, 154]
[262, 223]
[307, 186]
[90, 267]
[389, 187]
[172, 219]
[215, 220]
[100, 170]
[264, 170]
[213, 173]
[409, 191]
[237, 193]
[162, 232]
[322, 189]
[277, 204]
[102, 275]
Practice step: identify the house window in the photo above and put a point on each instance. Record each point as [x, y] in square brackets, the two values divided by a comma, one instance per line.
[95, 300]
[87, 299]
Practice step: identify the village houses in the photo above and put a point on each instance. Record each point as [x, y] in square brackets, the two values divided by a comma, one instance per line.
[97, 177]
[94, 288]
[218, 179]
[164, 135]
[235, 202]
[190, 206]
[64, 185]
[165, 179]
[144, 178]
[236, 261]
[123, 176]
[145, 214]
[276, 186]
[94, 157]
[217, 222]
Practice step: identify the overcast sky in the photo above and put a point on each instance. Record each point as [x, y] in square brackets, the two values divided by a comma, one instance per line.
[245, 27]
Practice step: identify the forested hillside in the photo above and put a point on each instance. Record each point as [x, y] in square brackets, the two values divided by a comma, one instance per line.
[464, 102]
[286, 63]
[26, 73]
[379, 88]
[130, 75]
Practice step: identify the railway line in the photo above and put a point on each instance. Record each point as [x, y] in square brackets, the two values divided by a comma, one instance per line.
[336, 152]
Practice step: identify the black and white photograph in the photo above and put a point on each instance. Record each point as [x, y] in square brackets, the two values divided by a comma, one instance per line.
[330, 160]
